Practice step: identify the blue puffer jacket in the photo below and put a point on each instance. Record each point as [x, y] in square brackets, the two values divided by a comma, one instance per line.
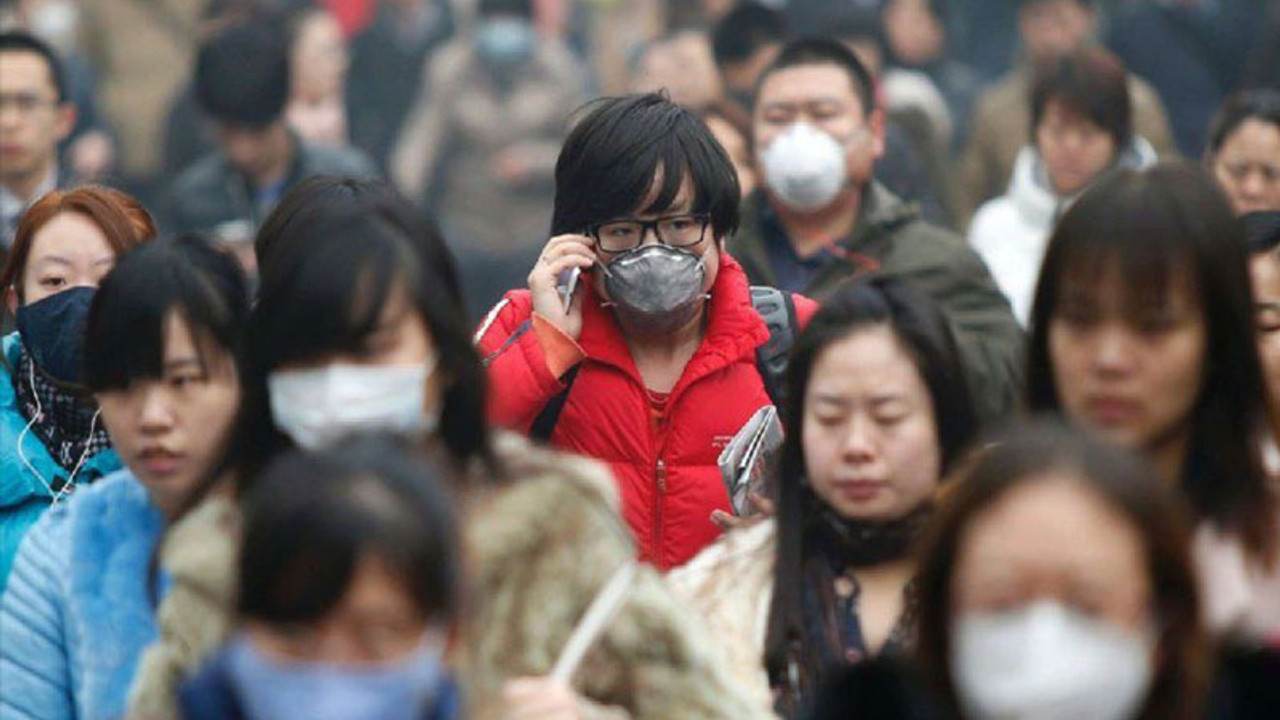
[23, 495]
[77, 614]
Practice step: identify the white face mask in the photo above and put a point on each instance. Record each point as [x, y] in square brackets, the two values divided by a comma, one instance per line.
[318, 407]
[1046, 662]
[804, 167]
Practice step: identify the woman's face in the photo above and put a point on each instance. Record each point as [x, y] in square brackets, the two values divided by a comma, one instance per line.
[1248, 167]
[400, 338]
[171, 430]
[319, 58]
[870, 438]
[1134, 374]
[68, 251]
[1053, 539]
[1075, 149]
[375, 622]
[1265, 271]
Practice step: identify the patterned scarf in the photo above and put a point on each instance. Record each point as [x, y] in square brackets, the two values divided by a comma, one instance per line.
[64, 420]
[861, 543]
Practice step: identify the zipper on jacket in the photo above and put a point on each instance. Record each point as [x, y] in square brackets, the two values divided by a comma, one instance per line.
[660, 475]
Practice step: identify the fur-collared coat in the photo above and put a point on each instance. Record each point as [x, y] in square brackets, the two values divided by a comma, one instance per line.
[540, 549]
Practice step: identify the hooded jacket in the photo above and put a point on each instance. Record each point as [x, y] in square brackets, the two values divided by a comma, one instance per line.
[890, 238]
[78, 613]
[663, 461]
[1012, 231]
[27, 471]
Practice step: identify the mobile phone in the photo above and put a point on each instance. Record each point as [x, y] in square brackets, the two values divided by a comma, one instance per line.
[567, 283]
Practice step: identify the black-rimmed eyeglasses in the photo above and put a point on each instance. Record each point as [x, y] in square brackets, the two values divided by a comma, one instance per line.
[625, 234]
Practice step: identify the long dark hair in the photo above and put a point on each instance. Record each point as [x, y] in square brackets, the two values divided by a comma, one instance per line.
[1032, 452]
[329, 257]
[920, 328]
[1151, 224]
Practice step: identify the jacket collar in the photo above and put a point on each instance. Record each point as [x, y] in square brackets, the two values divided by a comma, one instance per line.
[734, 329]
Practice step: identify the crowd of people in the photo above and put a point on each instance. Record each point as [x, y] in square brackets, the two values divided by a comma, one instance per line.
[589, 360]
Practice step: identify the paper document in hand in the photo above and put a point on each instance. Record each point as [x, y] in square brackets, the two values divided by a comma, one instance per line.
[749, 457]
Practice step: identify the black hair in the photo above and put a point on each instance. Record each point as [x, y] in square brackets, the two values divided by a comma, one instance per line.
[312, 517]
[1261, 231]
[523, 8]
[125, 332]
[1089, 4]
[1090, 82]
[1151, 224]
[19, 41]
[745, 29]
[242, 74]
[1262, 105]
[924, 334]
[610, 160]
[329, 257]
[816, 50]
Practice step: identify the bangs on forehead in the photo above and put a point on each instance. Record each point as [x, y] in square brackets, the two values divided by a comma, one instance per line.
[666, 186]
[331, 297]
[1147, 250]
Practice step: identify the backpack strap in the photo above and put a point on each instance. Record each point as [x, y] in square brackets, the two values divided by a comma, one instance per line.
[545, 423]
[778, 310]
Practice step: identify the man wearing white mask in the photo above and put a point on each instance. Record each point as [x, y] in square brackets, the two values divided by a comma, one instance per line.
[821, 218]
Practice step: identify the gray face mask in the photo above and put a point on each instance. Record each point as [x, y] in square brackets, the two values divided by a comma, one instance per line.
[656, 289]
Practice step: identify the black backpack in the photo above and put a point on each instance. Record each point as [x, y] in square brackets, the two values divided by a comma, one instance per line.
[776, 308]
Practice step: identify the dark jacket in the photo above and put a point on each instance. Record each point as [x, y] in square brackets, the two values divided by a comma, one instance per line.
[212, 193]
[386, 76]
[892, 239]
[211, 695]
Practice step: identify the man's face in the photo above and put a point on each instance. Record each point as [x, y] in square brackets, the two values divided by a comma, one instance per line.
[32, 121]
[252, 150]
[823, 96]
[1053, 28]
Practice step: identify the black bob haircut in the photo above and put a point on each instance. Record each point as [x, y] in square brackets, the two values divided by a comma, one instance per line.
[125, 332]
[923, 333]
[242, 73]
[745, 29]
[1151, 227]
[19, 41]
[1261, 231]
[312, 517]
[608, 165]
[330, 256]
[819, 50]
[1262, 105]
[1091, 83]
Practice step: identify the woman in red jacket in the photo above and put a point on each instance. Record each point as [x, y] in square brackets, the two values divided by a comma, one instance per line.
[650, 362]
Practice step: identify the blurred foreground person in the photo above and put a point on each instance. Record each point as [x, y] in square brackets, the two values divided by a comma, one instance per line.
[350, 593]
[164, 352]
[1142, 331]
[1081, 128]
[365, 336]
[1244, 150]
[624, 364]
[1055, 584]
[881, 411]
[51, 435]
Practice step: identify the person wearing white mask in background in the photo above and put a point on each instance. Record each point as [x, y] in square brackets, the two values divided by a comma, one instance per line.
[1055, 584]
[821, 218]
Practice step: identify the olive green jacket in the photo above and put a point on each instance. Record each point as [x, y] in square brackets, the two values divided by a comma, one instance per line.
[891, 238]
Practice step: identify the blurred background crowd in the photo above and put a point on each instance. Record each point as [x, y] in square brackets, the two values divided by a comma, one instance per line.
[463, 103]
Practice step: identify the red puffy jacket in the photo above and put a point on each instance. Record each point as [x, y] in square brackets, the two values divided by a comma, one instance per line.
[663, 461]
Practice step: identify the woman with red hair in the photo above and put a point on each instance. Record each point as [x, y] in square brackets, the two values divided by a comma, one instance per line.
[51, 438]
